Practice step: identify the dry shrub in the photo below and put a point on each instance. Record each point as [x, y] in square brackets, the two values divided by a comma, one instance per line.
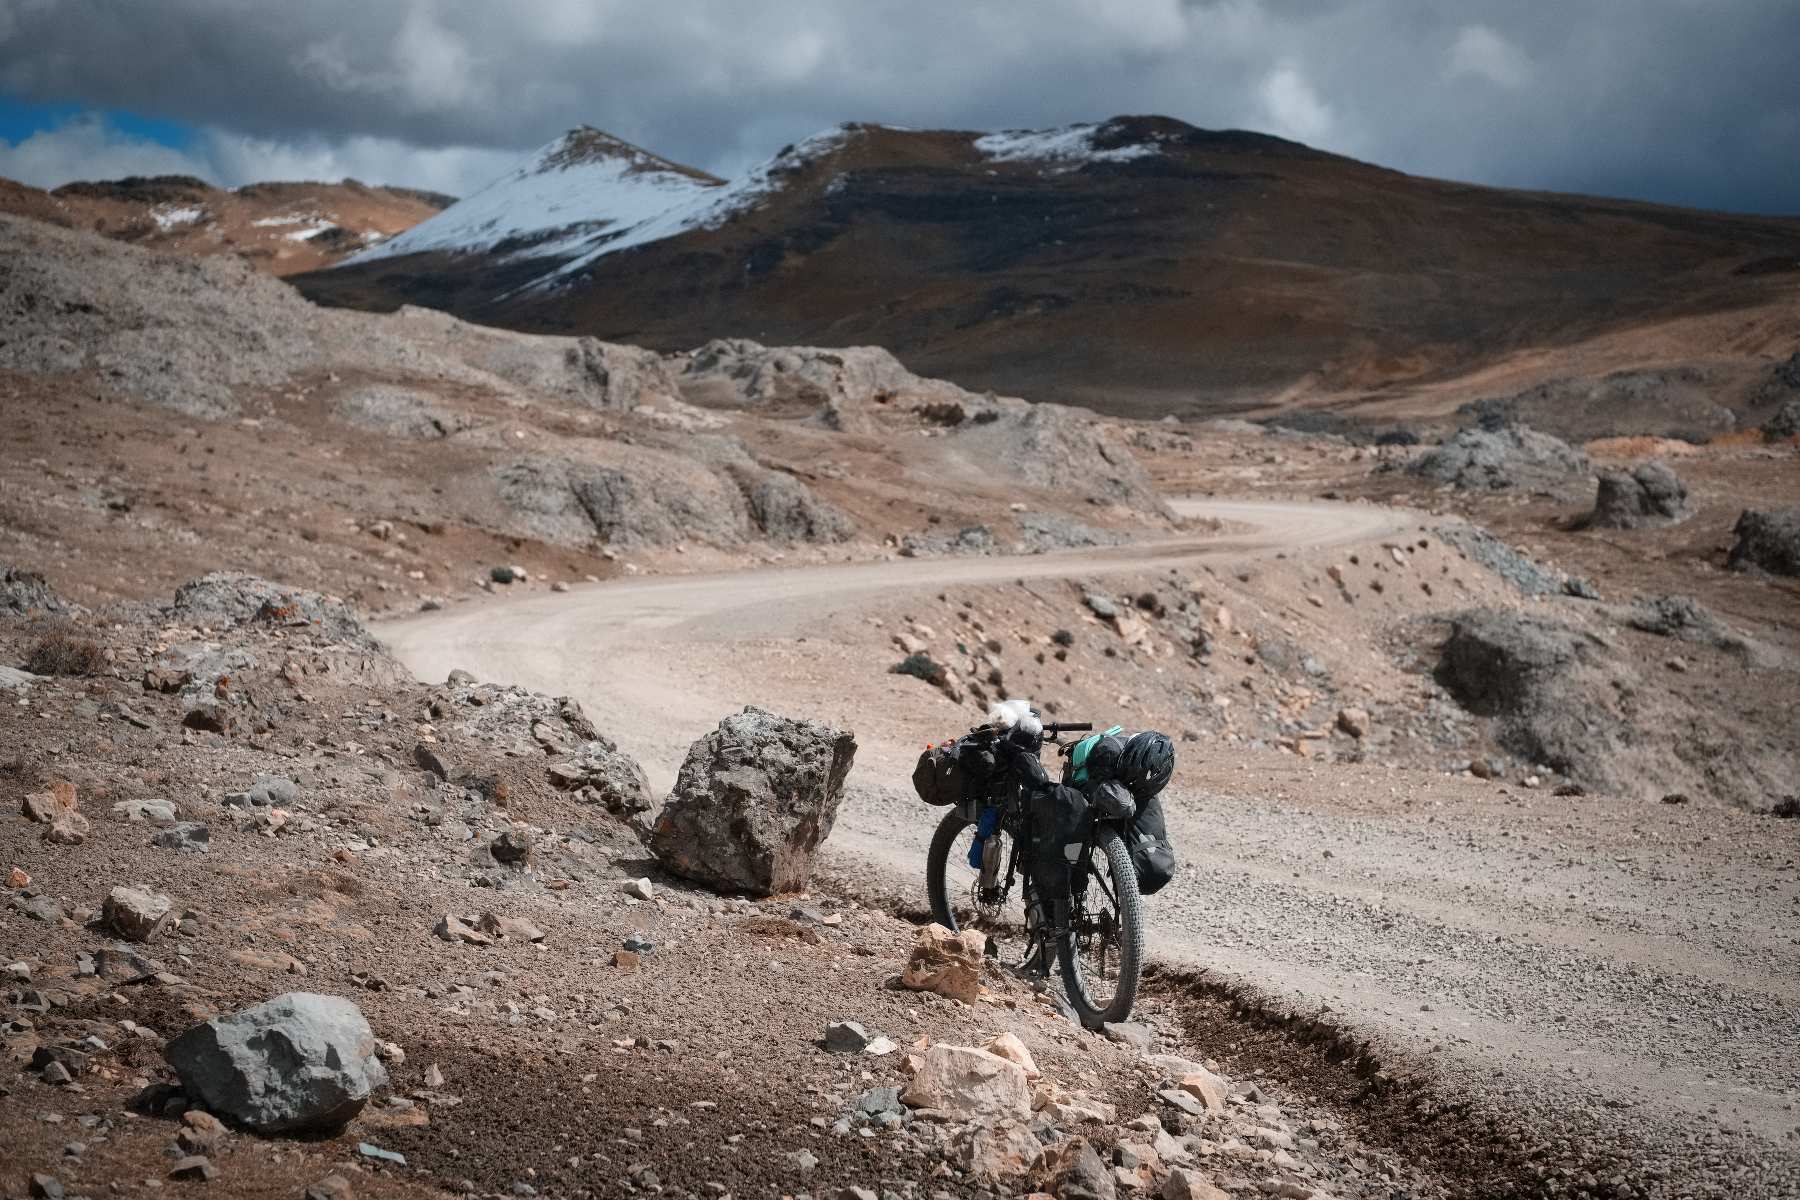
[65, 652]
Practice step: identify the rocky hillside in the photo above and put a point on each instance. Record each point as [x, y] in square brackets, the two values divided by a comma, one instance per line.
[188, 413]
[281, 228]
[1140, 265]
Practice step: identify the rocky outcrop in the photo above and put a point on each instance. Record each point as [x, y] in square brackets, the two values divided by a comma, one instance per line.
[1059, 450]
[786, 510]
[585, 371]
[1644, 497]
[753, 801]
[1516, 457]
[226, 599]
[1785, 423]
[299, 1062]
[841, 385]
[25, 593]
[1768, 541]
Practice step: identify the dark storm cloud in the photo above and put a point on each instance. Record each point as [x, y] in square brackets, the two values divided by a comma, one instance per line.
[1689, 101]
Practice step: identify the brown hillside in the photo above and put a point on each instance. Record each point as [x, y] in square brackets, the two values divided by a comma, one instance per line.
[280, 227]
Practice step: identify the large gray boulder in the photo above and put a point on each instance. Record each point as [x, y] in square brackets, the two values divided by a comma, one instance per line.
[753, 801]
[1514, 457]
[299, 1062]
[1767, 540]
[1644, 497]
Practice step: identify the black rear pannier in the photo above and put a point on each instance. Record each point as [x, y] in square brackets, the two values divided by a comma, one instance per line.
[953, 772]
[1152, 854]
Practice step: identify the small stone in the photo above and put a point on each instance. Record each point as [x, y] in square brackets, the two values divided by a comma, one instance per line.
[56, 1074]
[1008, 1046]
[1205, 1087]
[455, 929]
[46, 1187]
[1130, 1033]
[370, 1150]
[1176, 1098]
[641, 889]
[434, 1076]
[150, 812]
[512, 847]
[1354, 721]
[332, 1187]
[186, 837]
[846, 1037]
[136, 914]
[510, 927]
[1190, 1185]
[68, 829]
[196, 1166]
[17, 878]
[625, 959]
[637, 943]
[880, 1046]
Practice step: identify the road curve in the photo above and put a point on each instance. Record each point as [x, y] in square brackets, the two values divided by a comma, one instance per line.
[621, 629]
[1520, 937]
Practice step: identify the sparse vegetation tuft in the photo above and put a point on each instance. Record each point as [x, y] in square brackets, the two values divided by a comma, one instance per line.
[65, 652]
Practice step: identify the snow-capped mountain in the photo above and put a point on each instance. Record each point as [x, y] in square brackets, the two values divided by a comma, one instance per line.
[585, 190]
[1134, 264]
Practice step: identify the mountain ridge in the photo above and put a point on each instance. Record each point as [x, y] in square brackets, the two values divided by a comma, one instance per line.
[1139, 264]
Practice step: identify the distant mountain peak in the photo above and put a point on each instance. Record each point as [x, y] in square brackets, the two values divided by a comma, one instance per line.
[585, 144]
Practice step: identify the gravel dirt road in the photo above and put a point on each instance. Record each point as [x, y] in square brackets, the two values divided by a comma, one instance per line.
[1596, 968]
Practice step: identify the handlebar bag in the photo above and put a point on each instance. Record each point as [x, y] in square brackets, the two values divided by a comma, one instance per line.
[951, 773]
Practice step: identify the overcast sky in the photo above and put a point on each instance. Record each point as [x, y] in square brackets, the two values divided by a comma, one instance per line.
[1685, 101]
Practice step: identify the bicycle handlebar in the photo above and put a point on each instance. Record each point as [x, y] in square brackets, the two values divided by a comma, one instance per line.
[1069, 727]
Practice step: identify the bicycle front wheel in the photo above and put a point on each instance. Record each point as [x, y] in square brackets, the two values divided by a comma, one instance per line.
[1102, 953]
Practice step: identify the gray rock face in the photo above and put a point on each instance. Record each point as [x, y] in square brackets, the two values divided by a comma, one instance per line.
[299, 1062]
[753, 801]
[225, 599]
[1769, 541]
[25, 592]
[1646, 496]
[1502, 459]
[786, 510]
[585, 371]
[1497, 662]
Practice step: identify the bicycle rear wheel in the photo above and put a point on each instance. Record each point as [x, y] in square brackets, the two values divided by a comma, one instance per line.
[1102, 953]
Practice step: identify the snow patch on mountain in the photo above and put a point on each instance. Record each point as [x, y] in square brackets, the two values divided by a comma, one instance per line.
[169, 217]
[1070, 147]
